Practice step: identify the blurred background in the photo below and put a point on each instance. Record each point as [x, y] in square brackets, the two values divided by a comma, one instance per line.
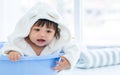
[92, 22]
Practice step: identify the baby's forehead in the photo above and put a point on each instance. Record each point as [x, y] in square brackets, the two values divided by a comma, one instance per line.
[41, 26]
[46, 23]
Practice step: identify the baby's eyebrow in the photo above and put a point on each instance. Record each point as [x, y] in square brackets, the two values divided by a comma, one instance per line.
[36, 27]
[50, 28]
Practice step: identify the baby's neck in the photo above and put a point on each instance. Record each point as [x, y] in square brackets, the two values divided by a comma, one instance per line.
[37, 50]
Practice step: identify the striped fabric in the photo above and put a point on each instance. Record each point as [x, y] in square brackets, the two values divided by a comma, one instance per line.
[99, 58]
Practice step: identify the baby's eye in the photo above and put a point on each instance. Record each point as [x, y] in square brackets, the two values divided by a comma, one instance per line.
[48, 31]
[36, 29]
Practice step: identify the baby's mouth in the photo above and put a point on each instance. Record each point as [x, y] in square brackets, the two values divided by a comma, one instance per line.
[40, 40]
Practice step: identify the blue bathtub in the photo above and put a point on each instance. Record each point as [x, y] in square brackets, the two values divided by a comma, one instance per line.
[38, 65]
[1, 44]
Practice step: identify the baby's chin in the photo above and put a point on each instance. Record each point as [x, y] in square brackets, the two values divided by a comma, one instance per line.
[41, 44]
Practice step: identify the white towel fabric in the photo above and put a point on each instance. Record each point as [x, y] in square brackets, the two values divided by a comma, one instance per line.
[99, 58]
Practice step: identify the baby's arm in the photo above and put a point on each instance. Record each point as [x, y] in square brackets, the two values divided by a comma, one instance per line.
[70, 57]
[13, 55]
[12, 51]
[63, 64]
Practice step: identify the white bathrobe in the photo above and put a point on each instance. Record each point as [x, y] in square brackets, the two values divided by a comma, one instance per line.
[42, 11]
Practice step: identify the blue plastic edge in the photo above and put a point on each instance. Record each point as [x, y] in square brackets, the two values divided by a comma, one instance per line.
[34, 57]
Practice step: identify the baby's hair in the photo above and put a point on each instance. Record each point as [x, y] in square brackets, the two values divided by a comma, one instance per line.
[49, 24]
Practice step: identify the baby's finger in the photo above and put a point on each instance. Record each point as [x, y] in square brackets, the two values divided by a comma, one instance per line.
[58, 68]
[11, 57]
[16, 57]
[63, 58]
[60, 64]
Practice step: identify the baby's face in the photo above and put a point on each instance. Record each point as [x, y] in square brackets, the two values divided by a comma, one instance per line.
[41, 36]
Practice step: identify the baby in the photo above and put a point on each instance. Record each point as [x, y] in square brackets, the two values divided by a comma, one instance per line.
[42, 31]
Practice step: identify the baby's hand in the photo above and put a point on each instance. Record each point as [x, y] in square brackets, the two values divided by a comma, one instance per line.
[63, 64]
[14, 56]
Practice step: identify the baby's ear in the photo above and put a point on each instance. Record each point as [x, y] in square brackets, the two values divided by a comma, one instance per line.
[33, 14]
[53, 15]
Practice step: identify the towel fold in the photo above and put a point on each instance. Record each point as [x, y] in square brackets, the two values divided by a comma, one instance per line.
[99, 58]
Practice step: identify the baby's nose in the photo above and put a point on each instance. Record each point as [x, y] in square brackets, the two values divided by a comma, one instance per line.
[42, 34]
